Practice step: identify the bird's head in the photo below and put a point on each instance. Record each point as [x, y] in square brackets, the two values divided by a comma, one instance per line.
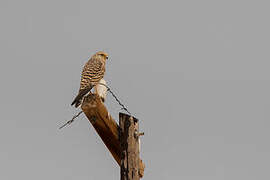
[102, 54]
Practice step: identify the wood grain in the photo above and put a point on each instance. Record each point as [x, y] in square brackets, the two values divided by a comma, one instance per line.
[106, 127]
[103, 123]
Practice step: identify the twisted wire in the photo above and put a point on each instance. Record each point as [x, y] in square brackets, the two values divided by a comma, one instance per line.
[115, 97]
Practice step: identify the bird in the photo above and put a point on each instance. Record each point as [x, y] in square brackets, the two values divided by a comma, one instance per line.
[93, 71]
[101, 89]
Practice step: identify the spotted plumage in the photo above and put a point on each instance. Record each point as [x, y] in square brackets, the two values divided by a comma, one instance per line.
[93, 72]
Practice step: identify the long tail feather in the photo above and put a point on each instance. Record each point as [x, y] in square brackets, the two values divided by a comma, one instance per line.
[78, 99]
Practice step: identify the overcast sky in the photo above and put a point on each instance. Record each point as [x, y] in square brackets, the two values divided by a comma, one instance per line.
[195, 73]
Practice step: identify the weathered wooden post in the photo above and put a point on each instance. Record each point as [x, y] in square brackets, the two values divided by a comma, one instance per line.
[129, 143]
[122, 141]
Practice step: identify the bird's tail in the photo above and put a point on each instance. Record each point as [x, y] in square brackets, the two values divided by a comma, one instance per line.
[78, 99]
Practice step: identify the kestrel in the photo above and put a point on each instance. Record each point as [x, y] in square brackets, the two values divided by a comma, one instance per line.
[93, 72]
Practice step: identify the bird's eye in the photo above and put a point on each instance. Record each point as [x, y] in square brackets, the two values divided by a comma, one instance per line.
[107, 57]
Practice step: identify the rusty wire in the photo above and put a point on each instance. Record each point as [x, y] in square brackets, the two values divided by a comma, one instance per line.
[115, 97]
[71, 121]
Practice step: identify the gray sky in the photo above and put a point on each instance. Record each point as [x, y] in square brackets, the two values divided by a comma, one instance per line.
[195, 73]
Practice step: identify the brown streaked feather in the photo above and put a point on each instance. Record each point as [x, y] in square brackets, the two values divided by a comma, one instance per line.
[78, 99]
[93, 72]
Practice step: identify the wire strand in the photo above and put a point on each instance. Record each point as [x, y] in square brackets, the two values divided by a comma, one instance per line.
[115, 97]
[71, 121]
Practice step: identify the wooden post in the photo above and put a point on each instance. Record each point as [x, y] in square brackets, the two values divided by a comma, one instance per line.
[104, 124]
[109, 131]
[129, 142]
